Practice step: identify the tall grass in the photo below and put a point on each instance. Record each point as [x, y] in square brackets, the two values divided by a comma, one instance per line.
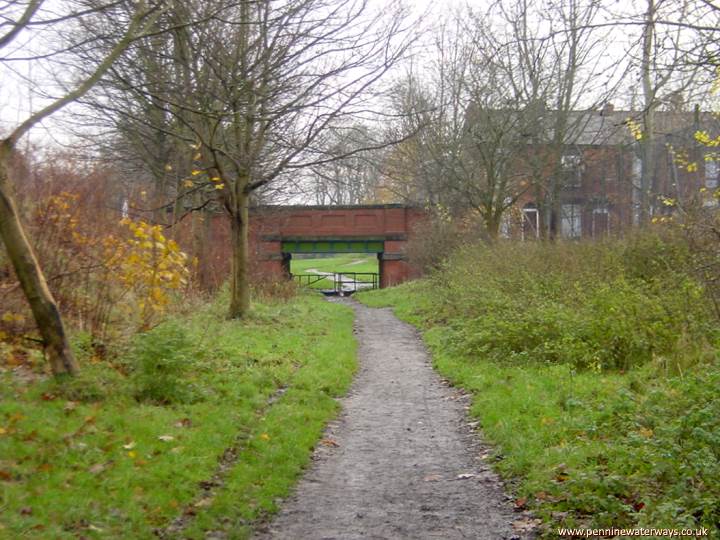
[598, 306]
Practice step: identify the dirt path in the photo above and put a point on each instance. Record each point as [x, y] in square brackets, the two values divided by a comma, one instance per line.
[406, 465]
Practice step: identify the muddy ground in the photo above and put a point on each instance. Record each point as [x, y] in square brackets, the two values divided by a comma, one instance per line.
[402, 460]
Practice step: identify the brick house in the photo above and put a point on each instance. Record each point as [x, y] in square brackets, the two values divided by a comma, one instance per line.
[601, 169]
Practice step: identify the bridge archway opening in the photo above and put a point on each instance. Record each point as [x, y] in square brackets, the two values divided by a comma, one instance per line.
[334, 266]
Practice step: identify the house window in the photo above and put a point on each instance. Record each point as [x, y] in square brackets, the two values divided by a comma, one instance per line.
[711, 174]
[570, 163]
[571, 223]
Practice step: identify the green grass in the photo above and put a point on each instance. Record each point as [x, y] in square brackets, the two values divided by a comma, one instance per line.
[87, 459]
[585, 444]
[357, 262]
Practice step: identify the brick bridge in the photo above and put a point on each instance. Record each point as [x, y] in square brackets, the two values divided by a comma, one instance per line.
[276, 232]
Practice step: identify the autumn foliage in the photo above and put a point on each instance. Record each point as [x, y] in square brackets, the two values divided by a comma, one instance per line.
[110, 274]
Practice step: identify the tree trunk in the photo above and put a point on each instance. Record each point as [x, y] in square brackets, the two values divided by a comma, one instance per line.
[43, 306]
[492, 225]
[555, 215]
[551, 202]
[239, 285]
[647, 172]
[648, 139]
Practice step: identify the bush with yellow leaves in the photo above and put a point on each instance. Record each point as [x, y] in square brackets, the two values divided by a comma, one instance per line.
[148, 267]
[108, 279]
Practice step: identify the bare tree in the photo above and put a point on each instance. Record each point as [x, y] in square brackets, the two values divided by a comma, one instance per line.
[458, 160]
[254, 87]
[499, 106]
[353, 177]
[27, 268]
[551, 56]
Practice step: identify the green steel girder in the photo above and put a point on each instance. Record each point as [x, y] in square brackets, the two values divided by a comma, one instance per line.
[333, 246]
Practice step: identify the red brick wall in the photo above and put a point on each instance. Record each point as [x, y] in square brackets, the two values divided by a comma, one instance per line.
[607, 178]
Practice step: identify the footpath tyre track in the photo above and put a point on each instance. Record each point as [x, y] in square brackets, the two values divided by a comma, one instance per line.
[401, 461]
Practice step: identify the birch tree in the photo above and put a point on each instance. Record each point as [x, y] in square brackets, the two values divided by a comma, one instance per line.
[667, 72]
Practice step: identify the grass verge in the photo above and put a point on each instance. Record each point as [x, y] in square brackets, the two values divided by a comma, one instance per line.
[339, 263]
[632, 442]
[111, 455]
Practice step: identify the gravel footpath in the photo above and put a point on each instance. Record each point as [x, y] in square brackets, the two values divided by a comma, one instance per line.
[401, 461]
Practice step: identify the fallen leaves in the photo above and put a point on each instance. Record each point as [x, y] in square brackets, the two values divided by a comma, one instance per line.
[329, 442]
[526, 525]
[70, 406]
[99, 467]
[183, 423]
[561, 474]
[166, 438]
[203, 503]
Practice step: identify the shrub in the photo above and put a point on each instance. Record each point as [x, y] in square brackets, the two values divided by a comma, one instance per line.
[94, 383]
[598, 306]
[161, 360]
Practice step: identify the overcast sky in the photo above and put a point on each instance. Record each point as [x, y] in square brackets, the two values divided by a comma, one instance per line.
[19, 96]
[17, 99]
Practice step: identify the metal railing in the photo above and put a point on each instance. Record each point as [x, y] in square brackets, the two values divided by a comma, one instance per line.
[308, 279]
[342, 282]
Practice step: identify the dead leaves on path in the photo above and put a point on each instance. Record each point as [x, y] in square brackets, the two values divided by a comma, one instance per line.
[438, 477]
[526, 524]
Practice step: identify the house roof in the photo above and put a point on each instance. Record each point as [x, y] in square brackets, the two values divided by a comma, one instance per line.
[612, 127]
[604, 127]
